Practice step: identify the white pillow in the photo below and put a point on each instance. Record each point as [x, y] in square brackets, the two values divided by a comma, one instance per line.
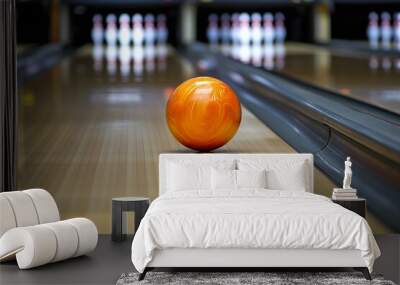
[282, 174]
[223, 179]
[251, 178]
[228, 179]
[293, 179]
[193, 174]
[181, 177]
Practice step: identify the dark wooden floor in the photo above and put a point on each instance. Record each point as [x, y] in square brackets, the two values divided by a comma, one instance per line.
[110, 260]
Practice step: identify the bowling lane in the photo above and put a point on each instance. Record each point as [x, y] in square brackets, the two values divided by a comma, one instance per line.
[373, 79]
[370, 79]
[92, 127]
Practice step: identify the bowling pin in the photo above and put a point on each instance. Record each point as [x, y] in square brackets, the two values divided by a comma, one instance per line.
[256, 55]
[235, 28]
[244, 33]
[225, 49]
[225, 28]
[373, 63]
[397, 30]
[256, 30]
[124, 55]
[162, 52]
[386, 63]
[373, 29]
[97, 30]
[280, 29]
[137, 56]
[111, 30]
[162, 31]
[111, 55]
[97, 53]
[149, 30]
[244, 53]
[137, 30]
[235, 51]
[212, 29]
[124, 33]
[150, 54]
[386, 29]
[269, 53]
[280, 54]
[397, 63]
[269, 30]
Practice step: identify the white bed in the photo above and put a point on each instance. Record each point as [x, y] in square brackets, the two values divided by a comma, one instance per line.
[204, 226]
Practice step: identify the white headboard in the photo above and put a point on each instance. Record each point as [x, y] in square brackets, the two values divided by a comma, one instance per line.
[214, 157]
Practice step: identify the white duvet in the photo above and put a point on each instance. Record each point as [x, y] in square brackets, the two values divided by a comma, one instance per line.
[250, 219]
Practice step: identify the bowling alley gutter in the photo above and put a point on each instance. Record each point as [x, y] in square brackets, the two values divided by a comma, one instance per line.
[41, 59]
[320, 122]
[358, 48]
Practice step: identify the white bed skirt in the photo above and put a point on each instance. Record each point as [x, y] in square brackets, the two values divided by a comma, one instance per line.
[190, 257]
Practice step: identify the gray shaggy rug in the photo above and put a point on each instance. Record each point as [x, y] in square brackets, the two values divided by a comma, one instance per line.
[243, 278]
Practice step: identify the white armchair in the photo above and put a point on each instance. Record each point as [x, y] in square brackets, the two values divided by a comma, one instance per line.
[31, 230]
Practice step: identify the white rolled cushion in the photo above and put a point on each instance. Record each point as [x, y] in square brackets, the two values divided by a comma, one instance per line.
[281, 174]
[23, 208]
[67, 239]
[251, 178]
[223, 179]
[87, 235]
[37, 245]
[7, 218]
[33, 246]
[45, 205]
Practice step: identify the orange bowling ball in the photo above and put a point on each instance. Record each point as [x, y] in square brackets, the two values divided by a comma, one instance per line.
[203, 113]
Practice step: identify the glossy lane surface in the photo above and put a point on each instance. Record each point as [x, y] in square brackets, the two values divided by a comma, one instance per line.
[370, 79]
[92, 127]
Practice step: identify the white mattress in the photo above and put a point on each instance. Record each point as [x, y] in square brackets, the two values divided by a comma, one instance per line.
[251, 219]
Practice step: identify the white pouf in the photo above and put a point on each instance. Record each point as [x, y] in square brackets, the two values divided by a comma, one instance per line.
[7, 216]
[31, 232]
[46, 207]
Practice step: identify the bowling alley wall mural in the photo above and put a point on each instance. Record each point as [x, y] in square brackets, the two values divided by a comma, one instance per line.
[203, 113]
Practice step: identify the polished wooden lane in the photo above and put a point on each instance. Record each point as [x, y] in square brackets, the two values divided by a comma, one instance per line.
[92, 129]
[371, 79]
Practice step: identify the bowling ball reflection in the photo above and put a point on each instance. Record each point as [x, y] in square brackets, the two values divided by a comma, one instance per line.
[203, 113]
